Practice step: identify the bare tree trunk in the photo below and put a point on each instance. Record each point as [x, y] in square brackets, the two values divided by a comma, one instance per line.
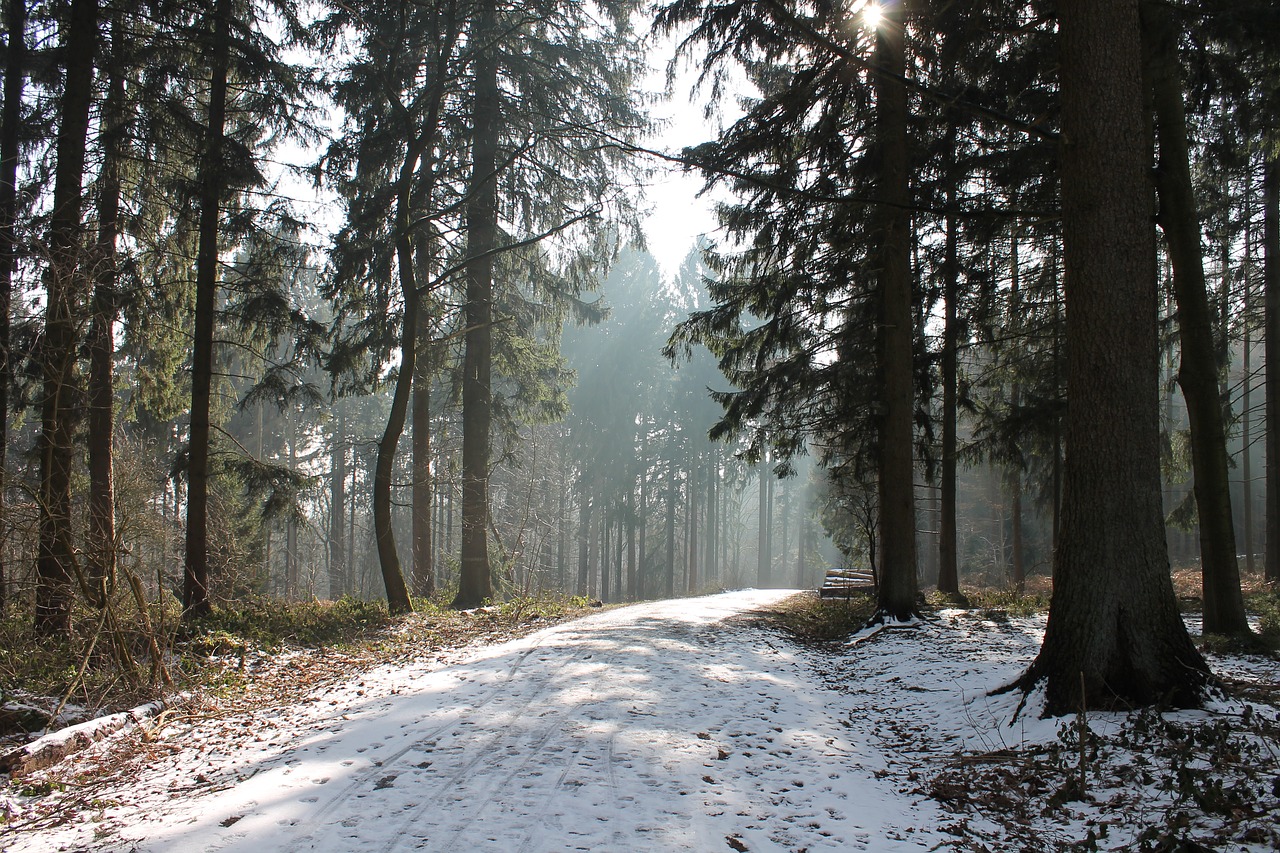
[424, 575]
[643, 580]
[55, 563]
[691, 536]
[338, 583]
[398, 600]
[673, 492]
[1246, 403]
[1114, 637]
[584, 536]
[1015, 472]
[948, 565]
[1198, 374]
[632, 575]
[475, 583]
[593, 551]
[618, 549]
[762, 533]
[713, 518]
[898, 583]
[562, 524]
[101, 539]
[10, 153]
[1271, 339]
[195, 583]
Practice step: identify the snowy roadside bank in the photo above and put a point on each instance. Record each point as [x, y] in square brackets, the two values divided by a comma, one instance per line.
[661, 726]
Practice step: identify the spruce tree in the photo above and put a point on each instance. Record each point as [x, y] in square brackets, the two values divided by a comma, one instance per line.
[1114, 637]
[56, 570]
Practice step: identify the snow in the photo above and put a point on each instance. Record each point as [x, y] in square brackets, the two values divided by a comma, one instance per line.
[54, 745]
[666, 726]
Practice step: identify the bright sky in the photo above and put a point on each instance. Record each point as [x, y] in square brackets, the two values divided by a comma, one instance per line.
[677, 215]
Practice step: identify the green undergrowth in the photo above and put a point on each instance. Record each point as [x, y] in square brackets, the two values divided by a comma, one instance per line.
[225, 652]
[271, 624]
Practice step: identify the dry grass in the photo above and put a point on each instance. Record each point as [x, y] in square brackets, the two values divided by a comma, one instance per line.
[811, 617]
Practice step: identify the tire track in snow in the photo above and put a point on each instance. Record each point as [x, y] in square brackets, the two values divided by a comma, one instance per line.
[426, 745]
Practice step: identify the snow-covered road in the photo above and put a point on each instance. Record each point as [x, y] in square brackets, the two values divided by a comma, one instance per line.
[654, 727]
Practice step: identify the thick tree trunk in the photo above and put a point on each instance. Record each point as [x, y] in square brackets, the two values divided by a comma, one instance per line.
[1114, 637]
[55, 563]
[1198, 373]
[10, 153]
[475, 583]
[195, 581]
[1271, 354]
[898, 585]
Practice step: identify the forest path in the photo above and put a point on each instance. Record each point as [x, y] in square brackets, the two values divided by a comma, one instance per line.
[666, 726]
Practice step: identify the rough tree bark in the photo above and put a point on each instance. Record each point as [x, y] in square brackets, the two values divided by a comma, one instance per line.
[398, 600]
[632, 578]
[898, 585]
[1114, 637]
[1198, 371]
[475, 584]
[763, 561]
[55, 560]
[691, 534]
[1014, 472]
[948, 563]
[10, 152]
[673, 492]
[584, 534]
[424, 575]
[1271, 354]
[101, 539]
[338, 580]
[195, 581]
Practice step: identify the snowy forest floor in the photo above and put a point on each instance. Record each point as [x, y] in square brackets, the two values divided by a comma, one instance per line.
[693, 724]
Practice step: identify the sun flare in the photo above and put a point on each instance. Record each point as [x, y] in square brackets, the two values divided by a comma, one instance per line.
[872, 14]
